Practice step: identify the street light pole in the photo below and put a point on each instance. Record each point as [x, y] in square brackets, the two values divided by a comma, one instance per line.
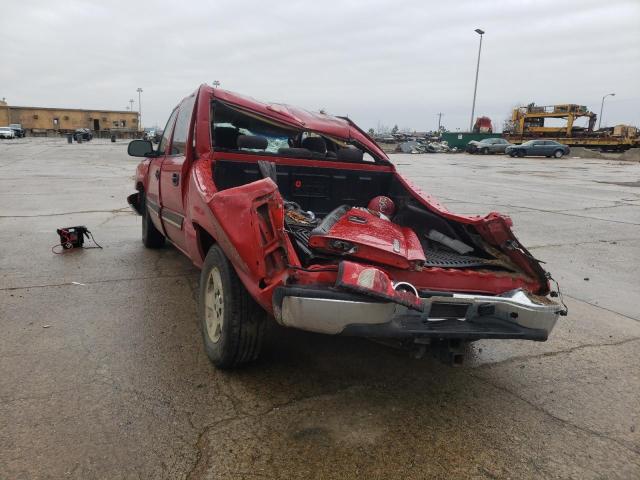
[439, 119]
[139, 90]
[131, 101]
[475, 88]
[602, 106]
[216, 84]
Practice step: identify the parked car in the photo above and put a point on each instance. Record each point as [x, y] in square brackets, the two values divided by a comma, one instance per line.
[18, 130]
[7, 133]
[84, 133]
[488, 145]
[532, 148]
[302, 218]
[149, 134]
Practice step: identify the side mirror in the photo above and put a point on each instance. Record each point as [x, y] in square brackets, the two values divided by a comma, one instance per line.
[141, 148]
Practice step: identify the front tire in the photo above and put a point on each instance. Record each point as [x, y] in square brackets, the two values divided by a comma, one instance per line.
[558, 153]
[484, 151]
[232, 323]
[521, 153]
[151, 236]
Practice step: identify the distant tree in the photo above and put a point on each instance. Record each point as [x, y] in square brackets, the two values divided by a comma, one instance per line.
[394, 130]
[507, 124]
[371, 132]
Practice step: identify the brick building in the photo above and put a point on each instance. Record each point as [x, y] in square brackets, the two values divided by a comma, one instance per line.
[54, 121]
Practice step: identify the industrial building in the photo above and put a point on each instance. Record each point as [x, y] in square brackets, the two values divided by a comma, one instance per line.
[45, 121]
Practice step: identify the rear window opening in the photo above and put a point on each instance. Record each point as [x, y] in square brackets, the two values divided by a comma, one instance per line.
[233, 130]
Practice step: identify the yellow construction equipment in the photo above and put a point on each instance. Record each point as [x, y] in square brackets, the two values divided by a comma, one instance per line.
[528, 123]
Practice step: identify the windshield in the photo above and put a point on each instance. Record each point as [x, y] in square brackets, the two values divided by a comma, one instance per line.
[530, 142]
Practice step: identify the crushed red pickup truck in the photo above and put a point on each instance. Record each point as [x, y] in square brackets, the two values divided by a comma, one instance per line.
[302, 217]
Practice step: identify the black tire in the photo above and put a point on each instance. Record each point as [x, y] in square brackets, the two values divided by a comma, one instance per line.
[512, 154]
[484, 151]
[521, 153]
[558, 153]
[151, 236]
[233, 325]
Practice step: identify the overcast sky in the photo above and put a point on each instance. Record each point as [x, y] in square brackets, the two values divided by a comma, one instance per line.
[390, 62]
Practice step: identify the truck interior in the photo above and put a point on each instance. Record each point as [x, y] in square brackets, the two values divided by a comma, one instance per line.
[332, 203]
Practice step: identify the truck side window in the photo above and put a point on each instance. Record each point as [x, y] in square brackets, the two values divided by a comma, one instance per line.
[166, 134]
[181, 132]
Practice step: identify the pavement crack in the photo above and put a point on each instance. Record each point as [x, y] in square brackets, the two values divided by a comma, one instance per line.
[96, 282]
[558, 352]
[589, 242]
[602, 308]
[560, 420]
[117, 210]
[199, 444]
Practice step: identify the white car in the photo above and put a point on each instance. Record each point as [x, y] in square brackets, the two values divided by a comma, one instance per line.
[6, 132]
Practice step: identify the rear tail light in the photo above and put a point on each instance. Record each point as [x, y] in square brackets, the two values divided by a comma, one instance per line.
[374, 282]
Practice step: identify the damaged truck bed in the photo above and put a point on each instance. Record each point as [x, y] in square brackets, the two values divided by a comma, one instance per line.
[301, 217]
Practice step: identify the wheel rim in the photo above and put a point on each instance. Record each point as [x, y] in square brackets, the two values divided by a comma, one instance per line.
[214, 305]
[558, 154]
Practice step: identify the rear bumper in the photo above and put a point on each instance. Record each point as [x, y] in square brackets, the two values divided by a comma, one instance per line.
[515, 315]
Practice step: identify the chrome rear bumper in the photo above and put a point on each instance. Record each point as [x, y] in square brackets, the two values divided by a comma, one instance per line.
[514, 314]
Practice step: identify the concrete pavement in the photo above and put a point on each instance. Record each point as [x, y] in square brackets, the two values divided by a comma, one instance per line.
[102, 373]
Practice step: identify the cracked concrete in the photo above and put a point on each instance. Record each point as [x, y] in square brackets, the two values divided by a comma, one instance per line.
[117, 386]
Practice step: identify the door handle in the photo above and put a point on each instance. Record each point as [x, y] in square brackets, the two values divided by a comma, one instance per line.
[175, 179]
[157, 174]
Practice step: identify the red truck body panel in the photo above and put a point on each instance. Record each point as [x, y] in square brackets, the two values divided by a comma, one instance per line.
[247, 221]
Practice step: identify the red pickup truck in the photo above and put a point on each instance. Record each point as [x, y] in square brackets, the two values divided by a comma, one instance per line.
[301, 217]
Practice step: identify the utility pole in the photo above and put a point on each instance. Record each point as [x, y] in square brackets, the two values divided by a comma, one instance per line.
[439, 119]
[475, 88]
[131, 101]
[602, 107]
[139, 90]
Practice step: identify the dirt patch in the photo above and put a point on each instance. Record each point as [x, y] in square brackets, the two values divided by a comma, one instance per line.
[582, 152]
[633, 155]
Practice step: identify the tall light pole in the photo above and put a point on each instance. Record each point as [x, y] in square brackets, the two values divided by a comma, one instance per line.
[131, 101]
[439, 120]
[139, 90]
[602, 106]
[475, 88]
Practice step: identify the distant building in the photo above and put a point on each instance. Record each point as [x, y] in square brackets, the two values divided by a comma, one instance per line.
[54, 121]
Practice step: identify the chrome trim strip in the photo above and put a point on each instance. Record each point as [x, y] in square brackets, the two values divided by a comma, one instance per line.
[153, 206]
[172, 218]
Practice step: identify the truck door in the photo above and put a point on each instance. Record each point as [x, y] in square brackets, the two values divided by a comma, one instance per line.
[174, 174]
[153, 202]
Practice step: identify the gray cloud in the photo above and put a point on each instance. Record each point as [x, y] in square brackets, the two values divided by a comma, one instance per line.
[377, 61]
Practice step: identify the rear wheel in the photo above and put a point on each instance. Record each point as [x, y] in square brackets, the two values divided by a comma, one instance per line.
[558, 153]
[151, 236]
[233, 324]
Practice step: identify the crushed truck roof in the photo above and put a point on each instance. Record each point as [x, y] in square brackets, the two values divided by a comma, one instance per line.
[341, 127]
